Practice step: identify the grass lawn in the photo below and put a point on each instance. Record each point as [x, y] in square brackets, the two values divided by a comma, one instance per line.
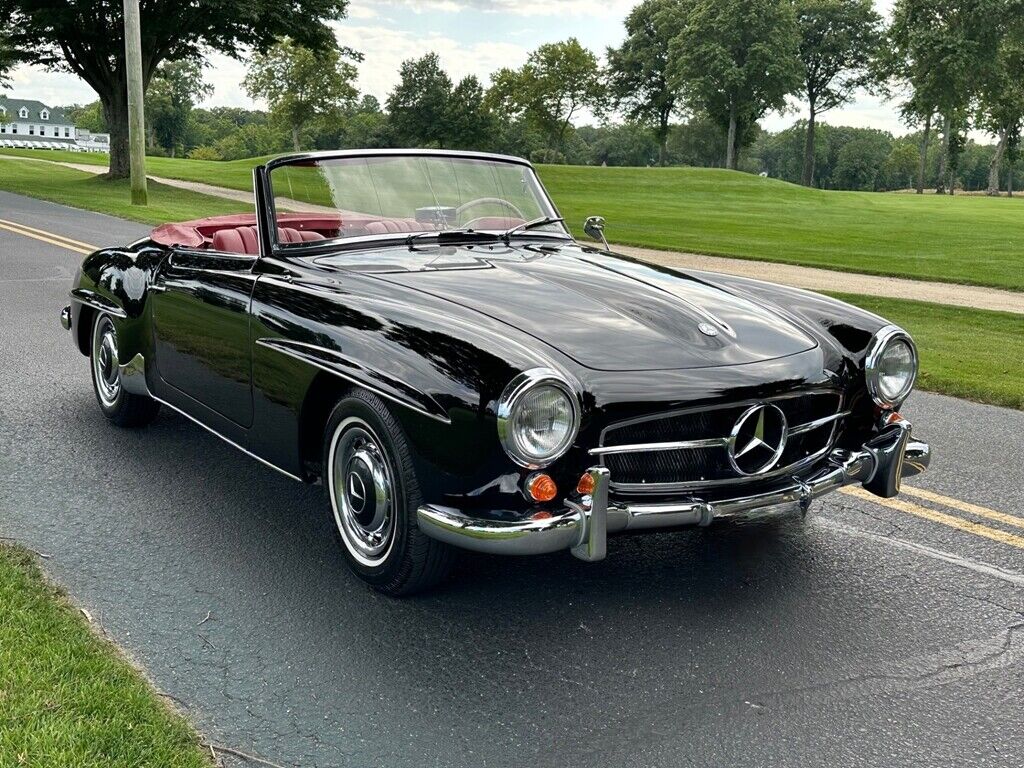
[67, 697]
[972, 240]
[971, 353]
[83, 190]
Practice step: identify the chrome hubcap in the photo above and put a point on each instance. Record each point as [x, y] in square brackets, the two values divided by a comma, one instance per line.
[105, 361]
[362, 492]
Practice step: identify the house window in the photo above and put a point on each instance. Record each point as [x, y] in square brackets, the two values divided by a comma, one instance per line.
[31, 130]
[14, 127]
[3, 128]
[44, 115]
[67, 132]
[23, 113]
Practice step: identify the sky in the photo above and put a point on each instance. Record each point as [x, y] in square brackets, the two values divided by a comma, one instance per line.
[471, 37]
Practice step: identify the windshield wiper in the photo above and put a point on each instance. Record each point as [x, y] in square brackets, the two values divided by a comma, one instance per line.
[528, 225]
[452, 234]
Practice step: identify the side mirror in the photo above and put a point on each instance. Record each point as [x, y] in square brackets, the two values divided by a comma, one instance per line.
[594, 227]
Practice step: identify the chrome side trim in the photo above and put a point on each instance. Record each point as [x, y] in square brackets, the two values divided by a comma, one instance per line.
[229, 441]
[97, 302]
[812, 425]
[682, 445]
[296, 349]
[133, 376]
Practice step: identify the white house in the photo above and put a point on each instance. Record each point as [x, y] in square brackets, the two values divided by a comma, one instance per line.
[29, 124]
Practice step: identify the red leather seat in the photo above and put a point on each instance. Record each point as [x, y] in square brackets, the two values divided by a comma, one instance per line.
[244, 240]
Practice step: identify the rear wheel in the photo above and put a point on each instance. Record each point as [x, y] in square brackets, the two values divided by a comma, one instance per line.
[374, 495]
[121, 407]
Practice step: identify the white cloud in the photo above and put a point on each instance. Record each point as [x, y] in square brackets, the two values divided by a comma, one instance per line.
[385, 48]
[590, 8]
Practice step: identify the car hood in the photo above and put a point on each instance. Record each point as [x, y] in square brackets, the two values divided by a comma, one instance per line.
[605, 312]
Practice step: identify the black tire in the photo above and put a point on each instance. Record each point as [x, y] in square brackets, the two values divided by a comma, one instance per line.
[119, 406]
[364, 446]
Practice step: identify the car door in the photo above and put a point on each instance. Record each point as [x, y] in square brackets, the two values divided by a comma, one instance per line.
[201, 311]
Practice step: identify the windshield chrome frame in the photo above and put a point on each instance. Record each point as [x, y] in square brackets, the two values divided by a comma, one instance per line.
[392, 237]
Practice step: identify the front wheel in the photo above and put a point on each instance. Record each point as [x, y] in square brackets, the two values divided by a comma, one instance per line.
[122, 408]
[374, 495]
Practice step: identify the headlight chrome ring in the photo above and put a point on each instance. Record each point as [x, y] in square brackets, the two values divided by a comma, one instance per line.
[873, 372]
[520, 386]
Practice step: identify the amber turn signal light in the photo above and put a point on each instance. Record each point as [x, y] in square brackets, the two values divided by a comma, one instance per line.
[585, 486]
[541, 487]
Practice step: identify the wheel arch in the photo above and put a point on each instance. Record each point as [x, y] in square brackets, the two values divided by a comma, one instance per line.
[323, 394]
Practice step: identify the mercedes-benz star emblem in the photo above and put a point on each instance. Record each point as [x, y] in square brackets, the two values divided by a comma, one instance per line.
[758, 439]
[356, 492]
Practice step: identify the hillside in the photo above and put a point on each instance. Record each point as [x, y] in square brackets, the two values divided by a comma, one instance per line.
[966, 239]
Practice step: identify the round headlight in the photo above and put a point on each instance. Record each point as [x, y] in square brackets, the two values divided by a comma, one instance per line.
[538, 418]
[891, 367]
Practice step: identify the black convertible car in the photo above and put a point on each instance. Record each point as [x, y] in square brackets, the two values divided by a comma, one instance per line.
[419, 331]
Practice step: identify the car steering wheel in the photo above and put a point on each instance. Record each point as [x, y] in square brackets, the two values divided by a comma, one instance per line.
[488, 201]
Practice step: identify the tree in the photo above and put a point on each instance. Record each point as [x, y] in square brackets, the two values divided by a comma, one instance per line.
[172, 94]
[838, 40]
[736, 60]
[8, 58]
[86, 37]
[1001, 101]
[557, 81]
[637, 71]
[901, 165]
[944, 49]
[467, 119]
[418, 105]
[300, 84]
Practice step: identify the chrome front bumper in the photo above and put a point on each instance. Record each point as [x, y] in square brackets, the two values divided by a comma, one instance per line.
[583, 527]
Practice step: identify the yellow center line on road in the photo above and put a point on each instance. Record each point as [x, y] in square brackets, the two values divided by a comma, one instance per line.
[47, 237]
[964, 506]
[937, 517]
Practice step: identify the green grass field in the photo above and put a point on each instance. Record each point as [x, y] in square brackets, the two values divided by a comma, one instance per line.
[970, 353]
[966, 239]
[67, 697]
[83, 190]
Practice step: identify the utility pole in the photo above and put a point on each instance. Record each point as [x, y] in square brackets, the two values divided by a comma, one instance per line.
[136, 120]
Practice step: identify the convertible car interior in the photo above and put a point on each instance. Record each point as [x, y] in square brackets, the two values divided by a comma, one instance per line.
[236, 233]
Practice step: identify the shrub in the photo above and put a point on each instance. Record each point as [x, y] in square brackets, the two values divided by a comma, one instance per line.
[204, 153]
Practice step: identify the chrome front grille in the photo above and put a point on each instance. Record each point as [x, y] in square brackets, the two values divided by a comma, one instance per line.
[688, 449]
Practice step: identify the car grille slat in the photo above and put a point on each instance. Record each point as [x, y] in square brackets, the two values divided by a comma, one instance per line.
[693, 468]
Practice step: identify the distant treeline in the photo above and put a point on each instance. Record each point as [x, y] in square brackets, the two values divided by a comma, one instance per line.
[845, 158]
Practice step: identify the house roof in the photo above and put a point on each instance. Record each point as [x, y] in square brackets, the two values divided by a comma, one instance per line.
[13, 107]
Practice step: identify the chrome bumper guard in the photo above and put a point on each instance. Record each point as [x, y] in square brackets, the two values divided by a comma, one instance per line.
[583, 527]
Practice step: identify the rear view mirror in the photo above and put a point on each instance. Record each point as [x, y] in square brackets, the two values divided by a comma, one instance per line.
[594, 227]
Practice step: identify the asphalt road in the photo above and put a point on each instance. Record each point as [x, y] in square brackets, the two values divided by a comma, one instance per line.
[869, 635]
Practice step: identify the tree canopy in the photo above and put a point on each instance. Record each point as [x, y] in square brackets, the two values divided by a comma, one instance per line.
[173, 92]
[735, 60]
[419, 103]
[838, 42]
[86, 37]
[637, 71]
[301, 84]
[557, 81]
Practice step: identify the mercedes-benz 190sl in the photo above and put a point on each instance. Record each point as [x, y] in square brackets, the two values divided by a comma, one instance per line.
[419, 331]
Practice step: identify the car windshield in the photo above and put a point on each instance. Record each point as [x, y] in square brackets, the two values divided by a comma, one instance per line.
[403, 195]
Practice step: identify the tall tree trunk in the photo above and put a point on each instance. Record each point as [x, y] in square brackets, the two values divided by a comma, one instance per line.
[1009, 180]
[808, 176]
[940, 184]
[730, 149]
[994, 166]
[295, 138]
[922, 168]
[115, 111]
